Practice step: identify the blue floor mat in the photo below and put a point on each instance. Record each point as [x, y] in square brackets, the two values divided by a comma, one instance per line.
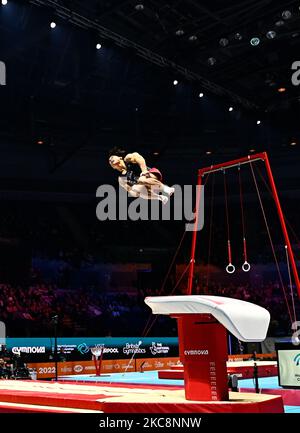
[146, 378]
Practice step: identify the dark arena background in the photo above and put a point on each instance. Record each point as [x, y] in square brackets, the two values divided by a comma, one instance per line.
[106, 306]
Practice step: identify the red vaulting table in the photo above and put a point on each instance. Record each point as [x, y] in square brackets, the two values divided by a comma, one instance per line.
[202, 324]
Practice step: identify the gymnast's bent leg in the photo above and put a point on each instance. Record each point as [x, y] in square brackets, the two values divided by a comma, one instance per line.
[150, 180]
[148, 193]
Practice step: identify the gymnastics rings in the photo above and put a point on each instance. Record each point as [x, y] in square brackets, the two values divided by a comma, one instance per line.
[230, 268]
[246, 267]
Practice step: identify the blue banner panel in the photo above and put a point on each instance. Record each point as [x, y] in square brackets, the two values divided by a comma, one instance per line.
[79, 348]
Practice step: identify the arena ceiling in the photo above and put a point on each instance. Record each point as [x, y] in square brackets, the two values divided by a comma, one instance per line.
[77, 101]
[209, 38]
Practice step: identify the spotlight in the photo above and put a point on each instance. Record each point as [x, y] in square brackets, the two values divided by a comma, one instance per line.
[271, 34]
[223, 42]
[211, 61]
[293, 143]
[175, 82]
[193, 38]
[258, 122]
[4, 2]
[286, 15]
[279, 23]
[40, 142]
[230, 109]
[255, 41]
[139, 7]
[98, 46]
[238, 37]
[208, 152]
[179, 32]
[281, 89]
[155, 153]
[53, 25]
[201, 95]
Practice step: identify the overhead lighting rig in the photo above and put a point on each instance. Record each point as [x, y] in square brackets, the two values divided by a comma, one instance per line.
[89, 24]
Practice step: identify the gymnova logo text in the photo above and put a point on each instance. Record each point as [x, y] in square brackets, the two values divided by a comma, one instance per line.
[297, 359]
[115, 205]
[196, 352]
[33, 349]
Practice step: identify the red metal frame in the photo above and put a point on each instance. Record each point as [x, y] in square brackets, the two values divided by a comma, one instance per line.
[230, 164]
[194, 239]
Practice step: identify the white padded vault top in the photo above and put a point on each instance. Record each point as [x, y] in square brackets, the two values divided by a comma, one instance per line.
[246, 321]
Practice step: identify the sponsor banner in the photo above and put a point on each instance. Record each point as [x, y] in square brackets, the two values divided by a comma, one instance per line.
[18, 350]
[46, 370]
[42, 349]
[148, 364]
[117, 366]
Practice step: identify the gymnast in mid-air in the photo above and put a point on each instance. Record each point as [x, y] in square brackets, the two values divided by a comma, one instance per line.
[138, 179]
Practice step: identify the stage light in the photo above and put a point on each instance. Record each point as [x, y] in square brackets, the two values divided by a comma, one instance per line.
[230, 109]
[175, 82]
[223, 42]
[281, 89]
[201, 95]
[179, 32]
[286, 15]
[238, 37]
[271, 34]
[208, 152]
[98, 46]
[279, 23]
[139, 7]
[258, 122]
[211, 61]
[255, 41]
[40, 142]
[155, 153]
[4, 2]
[193, 38]
[53, 25]
[252, 150]
[293, 143]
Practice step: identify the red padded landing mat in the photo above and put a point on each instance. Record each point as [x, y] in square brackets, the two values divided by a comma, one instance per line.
[290, 397]
[130, 399]
[244, 370]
